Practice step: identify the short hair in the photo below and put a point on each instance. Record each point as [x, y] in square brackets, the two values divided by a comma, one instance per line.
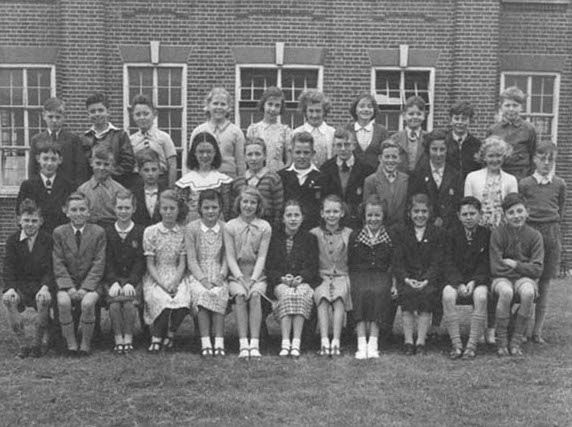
[103, 153]
[30, 207]
[493, 141]
[512, 199]
[77, 196]
[141, 99]
[363, 95]
[420, 198]
[192, 161]
[343, 133]
[272, 92]
[209, 97]
[45, 146]
[96, 98]
[373, 200]
[248, 190]
[294, 202]
[414, 101]
[304, 138]
[54, 104]
[255, 141]
[147, 155]
[124, 195]
[436, 135]
[513, 93]
[470, 201]
[311, 97]
[181, 205]
[545, 147]
[209, 194]
[334, 198]
[388, 143]
[464, 108]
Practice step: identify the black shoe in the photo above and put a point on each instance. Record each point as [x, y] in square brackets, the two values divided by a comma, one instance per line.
[83, 353]
[36, 352]
[72, 353]
[420, 350]
[408, 349]
[25, 352]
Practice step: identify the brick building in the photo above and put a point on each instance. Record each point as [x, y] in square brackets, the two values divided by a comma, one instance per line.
[176, 50]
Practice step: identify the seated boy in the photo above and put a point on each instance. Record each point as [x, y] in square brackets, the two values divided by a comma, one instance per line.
[301, 180]
[545, 195]
[344, 175]
[79, 264]
[73, 159]
[147, 188]
[28, 278]
[101, 189]
[103, 134]
[517, 260]
[466, 275]
[49, 189]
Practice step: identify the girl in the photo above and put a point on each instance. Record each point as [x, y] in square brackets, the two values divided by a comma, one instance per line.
[205, 255]
[229, 136]
[369, 260]
[334, 292]
[165, 286]
[246, 241]
[315, 107]
[276, 135]
[292, 268]
[367, 134]
[204, 160]
[258, 175]
[149, 136]
[416, 267]
[124, 268]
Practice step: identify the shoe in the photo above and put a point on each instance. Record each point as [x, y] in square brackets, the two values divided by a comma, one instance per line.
[516, 351]
[168, 344]
[361, 354]
[24, 352]
[455, 353]
[324, 351]
[469, 354]
[244, 353]
[490, 336]
[83, 353]
[420, 350]
[118, 349]
[36, 352]
[219, 352]
[255, 353]
[154, 348]
[408, 349]
[335, 351]
[295, 353]
[127, 348]
[502, 352]
[373, 354]
[207, 352]
[537, 339]
[284, 352]
[72, 352]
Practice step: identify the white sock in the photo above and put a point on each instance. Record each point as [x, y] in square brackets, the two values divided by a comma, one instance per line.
[361, 343]
[296, 343]
[243, 343]
[372, 343]
[254, 342]
[219, 342]
[206, 342]
[326, 342]
[336, 343]
[285, 343]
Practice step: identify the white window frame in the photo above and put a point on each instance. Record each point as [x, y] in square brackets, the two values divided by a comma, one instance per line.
[556, 96]
[13, 190]
[431, 89]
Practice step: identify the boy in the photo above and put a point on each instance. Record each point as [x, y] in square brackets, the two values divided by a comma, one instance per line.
[73, 160]
[49, 189]
[79, 263]
[147, 188]
[28, 278]
[344, 175]
[103, 134]
[101, 190]
[301, 180]
[466, 276]
[462, 146]
[517, 260]
[412, 138]
[545, 195]
[517, 132]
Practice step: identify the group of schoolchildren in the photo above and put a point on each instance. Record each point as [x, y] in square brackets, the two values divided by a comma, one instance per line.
[325, 227]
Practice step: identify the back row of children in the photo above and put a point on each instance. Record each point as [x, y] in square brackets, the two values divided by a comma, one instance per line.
[411, 162]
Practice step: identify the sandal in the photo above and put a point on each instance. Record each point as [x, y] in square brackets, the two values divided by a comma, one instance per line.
[244, 353]
[324, 351]
[284, 352]
[335, 351]
[255, 353]
[168, 344]
[219, 352]
[502, 352]
[207, 352]
[127, 348]
[295, 353]
[455, 353]
[118, 349]
[154, 348]
[469, 354]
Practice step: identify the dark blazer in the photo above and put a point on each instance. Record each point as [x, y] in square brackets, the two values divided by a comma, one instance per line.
[370, 155]
[81, 267]
[302, 261]
[51, 204]
[443, 199]
[141, 214]
[309, 195]
[74, 167]
[331, 184]
[27, 271]
[464, 159]
[124, 260]
[464, 260]
[394, 194]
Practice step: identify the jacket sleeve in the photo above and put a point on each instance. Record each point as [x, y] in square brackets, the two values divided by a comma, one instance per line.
[398, 259]
[453, 276]
[61, 273]
[481, 275]
[139, 265]
[310, 268]
[110, 276]
[496, 255]
[533, 266]
[368, 187]
[273, 263]
[434, 271]
[95, 273]
[125, 157]
[10, 265]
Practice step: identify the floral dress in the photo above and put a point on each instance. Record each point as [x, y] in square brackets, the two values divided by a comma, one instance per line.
[492, 202]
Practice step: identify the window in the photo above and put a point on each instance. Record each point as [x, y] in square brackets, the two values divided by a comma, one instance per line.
[392, 86]
[541, 107]
[253, 81]
[23, 90]
[166, 86]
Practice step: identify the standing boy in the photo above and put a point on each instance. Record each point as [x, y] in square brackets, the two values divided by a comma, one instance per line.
[147, 188]
[462, 146]
[412, 138]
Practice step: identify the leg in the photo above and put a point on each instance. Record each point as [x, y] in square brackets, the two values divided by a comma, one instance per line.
[503, 290]
[205, 331]
[66, 320]
[361, 340]
[298, 325]
[129, 316]
[540, 310]
[176, 317]
[241, 311]
[423, 323]
[286, 329]
[452, 320]
[324, 321]
[116, 317]
[87, 319]
[478, 318]
[160, 326]
[42, 320]
[526, 292]
[338, 322]
[372, 349]
[255, 315]
[408, 326]
[12, 301]
[218, 326]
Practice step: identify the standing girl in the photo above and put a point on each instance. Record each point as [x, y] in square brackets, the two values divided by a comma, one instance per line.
[369, 262]
[165, 286]
[276, 135]
[205, 256]
[229, 136]
[334, 292]
[204, 161]
[292, 268]
[416, 267]
[246, 241]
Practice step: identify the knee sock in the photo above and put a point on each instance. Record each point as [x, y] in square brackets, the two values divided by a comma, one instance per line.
[541, 306]
[219, 342]
[254, 343]
[243, 343]
[361, 343]
[502, 331]
[69, 335]
[520, 325]
[86, 334]
[372, 343]
[296, 343]
[206, 342]
[286, 343]
[452, 324]
[477, 327]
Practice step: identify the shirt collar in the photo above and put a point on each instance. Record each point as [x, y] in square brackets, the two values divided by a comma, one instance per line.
[413, 133]
[99, 135]
[166, 230]
[127, 230]
[24, 236]
[323, 128]
[368, 127]
[95, 183]
[45, 178]
[57, 132]
[350, 162]
[214, 128]
[249, 174]
[460, 138]
[75, 230]
[438, 170]
[216, 228]
[304, 171]
[541, 179]
[517, 122]
[331, 233]
[151, 191]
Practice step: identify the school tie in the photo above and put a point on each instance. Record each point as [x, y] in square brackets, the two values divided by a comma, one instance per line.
[146, 139]
[48, 186]
[54, 137]
[391, 177]
[78, 239]
[438, 177]
[345, 167]
[30, 244]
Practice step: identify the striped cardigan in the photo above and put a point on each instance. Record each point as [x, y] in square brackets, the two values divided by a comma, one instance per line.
[270, 186]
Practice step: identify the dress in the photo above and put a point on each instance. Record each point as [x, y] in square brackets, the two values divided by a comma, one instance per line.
[369, 260]
[492, 202]
[205, 247]
[333, 248]
[277, 137]
[166, 246]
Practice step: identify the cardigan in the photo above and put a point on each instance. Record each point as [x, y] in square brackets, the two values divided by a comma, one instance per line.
[476, 181]
[124, 260]
[372, 152]
[400, 138]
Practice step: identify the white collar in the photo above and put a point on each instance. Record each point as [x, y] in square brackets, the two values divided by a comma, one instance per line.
[24, 236]
[199, 182]
[411, 132]
[303, 171]
[368, 127]
[323, 128]
[166, 230]
[249, 174]
[350, 162]
[126, 231]
[57, 132]
[151, 191]
[460, 138]
[97, 134]
[541, 179]
[216, 227]
[45, 178]
[435, 169]
[75, 230]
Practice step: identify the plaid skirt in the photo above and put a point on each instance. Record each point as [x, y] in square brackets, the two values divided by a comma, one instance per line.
[293, 301]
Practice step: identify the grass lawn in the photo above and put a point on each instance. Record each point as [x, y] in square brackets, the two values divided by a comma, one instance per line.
[181, 388]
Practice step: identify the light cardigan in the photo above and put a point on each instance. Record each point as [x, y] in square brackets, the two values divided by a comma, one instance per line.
[476, 181]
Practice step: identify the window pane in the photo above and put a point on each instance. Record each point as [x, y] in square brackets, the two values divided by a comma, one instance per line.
[387, 87]
[35, 122]
[38, 85]
[12, 127]
[543, 126]
[294, 82]
[13, 167]
[389, 119]
[249, 116]
[254, 81]
[515, 80]
[416, 83]
[140, 81]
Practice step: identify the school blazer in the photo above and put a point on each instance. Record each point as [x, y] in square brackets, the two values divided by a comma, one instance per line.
[141, 214]
[396, 200]
[124, 261]
[400, 138]
[122, 150]
[353, 196]
[475, 183]
[464, 159]
[370, 155]
[51, 204]
[309, 194]
[445, 198]
[74, 167]
[81, 267]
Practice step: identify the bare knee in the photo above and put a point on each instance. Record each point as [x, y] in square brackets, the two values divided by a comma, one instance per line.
[480, 295]
[449, 296]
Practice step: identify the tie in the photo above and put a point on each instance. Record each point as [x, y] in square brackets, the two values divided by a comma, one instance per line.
[30, 244]
[48, 186]
[146, 139]
[437, 178]
[78, 239]
[391, 176]
[54, 137]
[345, 167]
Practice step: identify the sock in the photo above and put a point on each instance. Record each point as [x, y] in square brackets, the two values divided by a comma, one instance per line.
[502, 331]
[254, 342]
[206, 342]
[219, 342]
[372, 343]
[361, 343]
[452, 324]
[243, 343]
[326, 342]
[285, 343]
[520, 325]
[296, 343]
[335, 343]
[477, 327]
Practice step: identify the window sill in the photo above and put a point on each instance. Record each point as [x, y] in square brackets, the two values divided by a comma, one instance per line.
[9, 192]
[538, 1]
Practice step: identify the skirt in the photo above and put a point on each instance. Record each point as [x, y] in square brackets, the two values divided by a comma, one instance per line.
[426, 300]
[293, 301]
[157, 300]
[236, 288]
[215, 299]
[371, 296]
[333, 288]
